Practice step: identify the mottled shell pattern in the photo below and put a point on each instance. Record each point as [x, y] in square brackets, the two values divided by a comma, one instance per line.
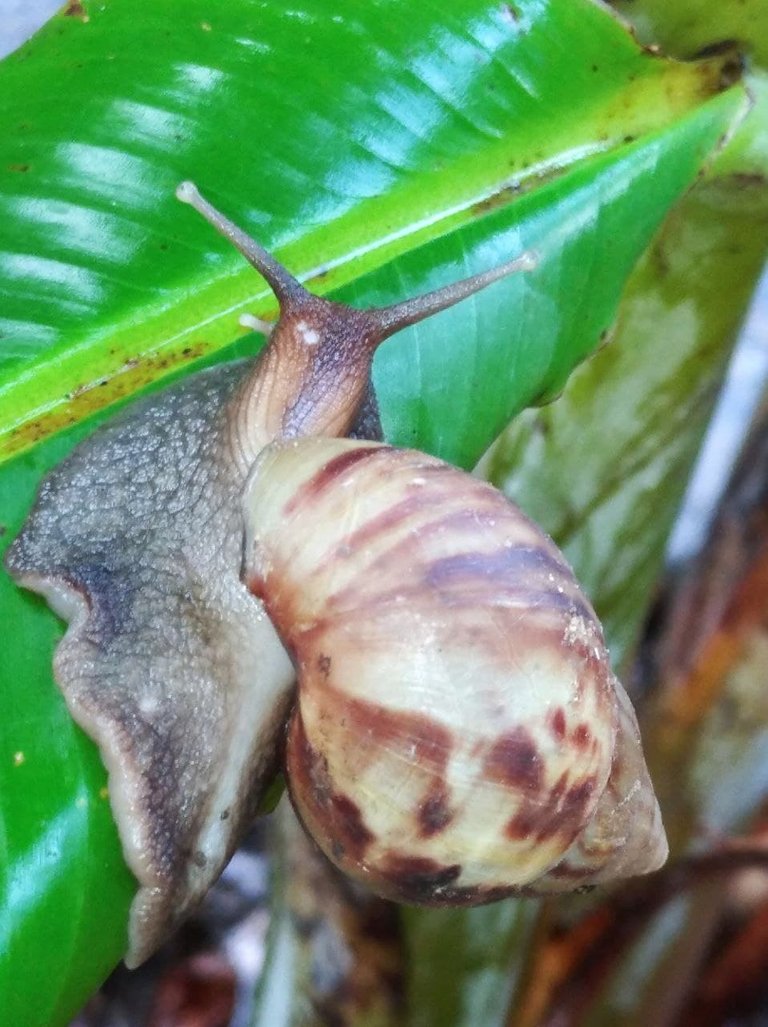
[459, 734]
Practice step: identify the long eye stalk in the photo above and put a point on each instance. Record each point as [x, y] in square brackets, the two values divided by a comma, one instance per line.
[313, 375]
[282, 283]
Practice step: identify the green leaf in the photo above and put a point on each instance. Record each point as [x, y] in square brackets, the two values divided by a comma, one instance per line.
[516, 345]
[341, 140]
[385, 150]
[470, 961]
[604, 469]
[65, 889]
[689, 27]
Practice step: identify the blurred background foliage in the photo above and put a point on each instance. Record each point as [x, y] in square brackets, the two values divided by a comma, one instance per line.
[403, 145]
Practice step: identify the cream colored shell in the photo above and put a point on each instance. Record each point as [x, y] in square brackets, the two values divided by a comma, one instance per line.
[459, 733]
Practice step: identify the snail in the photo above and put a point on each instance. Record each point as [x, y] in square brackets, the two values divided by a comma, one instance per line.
[219, 539]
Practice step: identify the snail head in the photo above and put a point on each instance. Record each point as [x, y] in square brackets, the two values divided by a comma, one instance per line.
[312, 377]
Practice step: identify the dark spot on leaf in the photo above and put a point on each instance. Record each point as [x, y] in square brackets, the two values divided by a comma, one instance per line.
[18, 167]
[324, 665]
[746, 180]
[74, 9]
[497, 199]
[720, 46]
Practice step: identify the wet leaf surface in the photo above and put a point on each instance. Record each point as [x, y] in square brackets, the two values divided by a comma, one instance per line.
[430, 145]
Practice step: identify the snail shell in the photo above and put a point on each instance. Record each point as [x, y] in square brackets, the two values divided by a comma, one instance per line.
[459, 734]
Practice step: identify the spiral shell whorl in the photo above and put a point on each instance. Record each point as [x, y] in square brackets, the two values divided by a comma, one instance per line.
[457, 715]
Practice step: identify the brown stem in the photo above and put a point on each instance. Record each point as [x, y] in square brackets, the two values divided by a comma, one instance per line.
[602, 938]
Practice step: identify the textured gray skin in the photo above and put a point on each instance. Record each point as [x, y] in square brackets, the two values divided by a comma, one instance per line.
[168, 662]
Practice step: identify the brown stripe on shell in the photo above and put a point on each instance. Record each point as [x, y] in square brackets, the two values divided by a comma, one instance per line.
[542, 605]
[511, 561]
[421, 881]
[581, 736]
[504, 561]
[463, 514]
[480, 516]
[562, 812]
[375, 528]
[328, 475]
[308, 776]
[333, 819]
[556, 720]
[416, 879]
[427, 743]
[574, 605]
[485, 511]
[434, 814]
[515, 761]
[458, 576]
[393, 519]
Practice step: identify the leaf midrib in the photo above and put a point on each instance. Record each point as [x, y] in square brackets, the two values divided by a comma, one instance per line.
[60, 386]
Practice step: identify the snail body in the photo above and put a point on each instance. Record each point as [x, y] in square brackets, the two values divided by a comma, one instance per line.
[178, 671]
[457, 718]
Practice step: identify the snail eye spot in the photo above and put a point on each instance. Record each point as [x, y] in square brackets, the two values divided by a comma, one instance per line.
[309, 336]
